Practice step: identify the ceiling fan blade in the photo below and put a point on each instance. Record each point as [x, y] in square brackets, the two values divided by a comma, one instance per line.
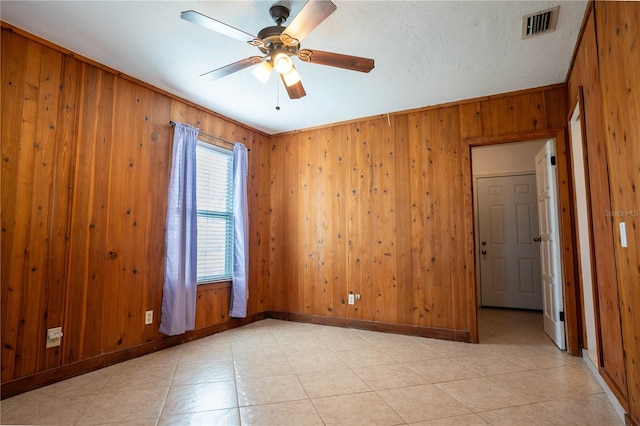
[310, 16]
[217, 26]
[231, 68]
[354, 63]
[296, 90]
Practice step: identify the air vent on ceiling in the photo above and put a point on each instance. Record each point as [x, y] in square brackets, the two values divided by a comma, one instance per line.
[540, 22]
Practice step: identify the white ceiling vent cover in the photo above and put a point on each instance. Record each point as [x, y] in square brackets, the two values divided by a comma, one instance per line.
[539, 23]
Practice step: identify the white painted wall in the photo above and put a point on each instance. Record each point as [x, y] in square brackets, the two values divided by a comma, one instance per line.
[513, 158]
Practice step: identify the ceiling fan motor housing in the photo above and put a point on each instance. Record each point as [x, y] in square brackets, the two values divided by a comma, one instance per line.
[272, 41]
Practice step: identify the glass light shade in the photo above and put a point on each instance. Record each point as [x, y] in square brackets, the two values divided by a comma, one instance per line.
[282, 63]
[291, 78]
[263, 71]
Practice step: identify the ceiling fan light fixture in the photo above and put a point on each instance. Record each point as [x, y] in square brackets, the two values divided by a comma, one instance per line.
[263, 71]
[291, 78]
[282, 63]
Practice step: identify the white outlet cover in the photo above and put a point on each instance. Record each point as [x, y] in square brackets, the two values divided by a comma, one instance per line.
[57, 333]
[351, 299]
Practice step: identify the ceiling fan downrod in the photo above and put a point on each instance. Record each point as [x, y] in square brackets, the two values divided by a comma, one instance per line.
[279, 13]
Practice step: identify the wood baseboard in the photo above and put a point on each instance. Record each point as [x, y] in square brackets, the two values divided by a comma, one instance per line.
[385, 327]
[44, 378]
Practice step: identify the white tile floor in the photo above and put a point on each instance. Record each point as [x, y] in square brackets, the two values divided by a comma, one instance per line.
[284, 373]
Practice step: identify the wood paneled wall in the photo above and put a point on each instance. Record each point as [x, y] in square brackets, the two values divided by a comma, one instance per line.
[584, 81]
[382, 208]
[606, 71]
[86, 157]
[619, 61]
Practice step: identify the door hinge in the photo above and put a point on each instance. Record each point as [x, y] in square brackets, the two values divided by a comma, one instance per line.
[561, 315]
[553, 160]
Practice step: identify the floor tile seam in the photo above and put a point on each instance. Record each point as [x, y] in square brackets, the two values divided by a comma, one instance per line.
[493, 382]
[315, 407]
[560, 414]
[119, 367]
[371, 365]
[538, 369]
[357, 393]
[273, 402]
[537, 404]
[578, 393]
[577, 388]
[430, 381]
[182, 413]
[166, 396]
[331, 371]
[407, 421]
[421, 359]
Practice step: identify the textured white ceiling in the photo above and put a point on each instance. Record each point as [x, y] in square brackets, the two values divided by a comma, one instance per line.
[426, 52]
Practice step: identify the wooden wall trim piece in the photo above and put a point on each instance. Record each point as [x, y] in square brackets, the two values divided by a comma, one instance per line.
[572, 305]
[572, 291]
[460, 103]
[384, 327]
[583, 27]
[47, 377]
[514, 137]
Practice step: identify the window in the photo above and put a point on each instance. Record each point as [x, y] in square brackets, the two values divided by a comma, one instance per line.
[214, 193]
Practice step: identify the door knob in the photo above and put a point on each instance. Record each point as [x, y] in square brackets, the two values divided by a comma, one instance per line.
[484, 252]
[537, 239]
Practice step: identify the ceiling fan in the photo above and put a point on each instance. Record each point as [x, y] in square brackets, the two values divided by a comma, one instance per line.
[279, 44]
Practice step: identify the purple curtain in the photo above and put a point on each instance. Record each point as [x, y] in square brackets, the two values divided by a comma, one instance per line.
[239, 291]
[180, 279]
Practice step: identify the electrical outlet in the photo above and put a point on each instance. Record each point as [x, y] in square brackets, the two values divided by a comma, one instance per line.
[53, 337]
[352, 299]
[148, 318]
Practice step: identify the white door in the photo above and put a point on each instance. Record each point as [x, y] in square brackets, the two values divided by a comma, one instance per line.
[509, 258]
[553, 296]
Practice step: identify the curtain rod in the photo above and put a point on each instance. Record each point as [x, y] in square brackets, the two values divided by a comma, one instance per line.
[173, 124]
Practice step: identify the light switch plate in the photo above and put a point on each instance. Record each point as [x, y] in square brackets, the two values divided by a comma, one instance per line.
[623, 234]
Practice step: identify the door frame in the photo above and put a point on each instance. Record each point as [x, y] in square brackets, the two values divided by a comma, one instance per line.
[476, 219]
[572, 290]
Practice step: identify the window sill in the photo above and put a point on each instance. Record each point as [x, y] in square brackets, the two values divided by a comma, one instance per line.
[214, 285]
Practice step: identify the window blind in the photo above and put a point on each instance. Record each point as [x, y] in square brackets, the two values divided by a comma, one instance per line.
[214, 193]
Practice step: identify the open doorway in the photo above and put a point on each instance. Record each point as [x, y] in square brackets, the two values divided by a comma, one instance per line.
[508, 244]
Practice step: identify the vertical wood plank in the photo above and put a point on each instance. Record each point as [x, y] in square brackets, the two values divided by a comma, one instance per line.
[385, 303]
[403, 219]
[359, 222]
[61, 200]
[338, 194]
[14, 66]
[31, 338]
[278, 227]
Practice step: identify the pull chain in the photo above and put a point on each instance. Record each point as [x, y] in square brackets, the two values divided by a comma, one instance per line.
[277, 96]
